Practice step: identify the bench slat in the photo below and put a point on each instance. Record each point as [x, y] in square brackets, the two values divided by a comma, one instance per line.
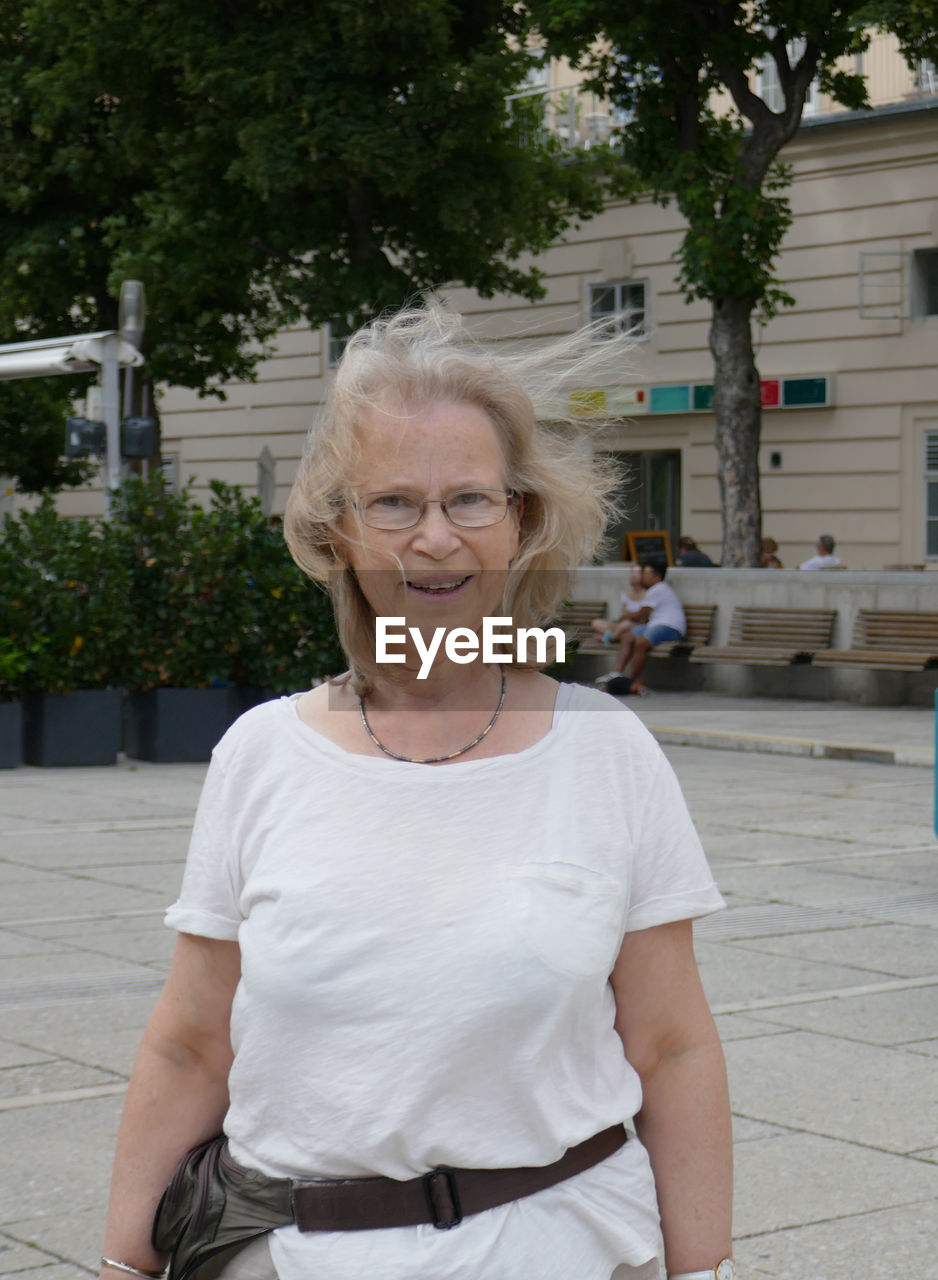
[889, 640]
[771, 636]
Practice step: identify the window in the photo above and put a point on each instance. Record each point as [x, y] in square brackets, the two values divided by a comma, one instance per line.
[927, 76]
[769, 88]
[931, 495]
[340, 329]
[925, 282]
[622, 306]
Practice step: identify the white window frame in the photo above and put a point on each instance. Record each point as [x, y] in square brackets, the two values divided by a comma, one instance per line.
[769, 88]
[623, 317]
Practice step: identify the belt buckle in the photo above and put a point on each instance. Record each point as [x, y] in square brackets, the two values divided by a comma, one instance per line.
[439, 1186]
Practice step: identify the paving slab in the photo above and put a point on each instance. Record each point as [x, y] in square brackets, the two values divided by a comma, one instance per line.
[889, 1019]
[894, 949]
[798, 1179]
[884, 1098]
[877, 1245]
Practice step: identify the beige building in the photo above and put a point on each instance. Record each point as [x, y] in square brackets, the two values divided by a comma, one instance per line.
[850, 373]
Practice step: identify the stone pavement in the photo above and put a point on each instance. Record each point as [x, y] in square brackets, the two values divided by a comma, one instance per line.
[823, 973]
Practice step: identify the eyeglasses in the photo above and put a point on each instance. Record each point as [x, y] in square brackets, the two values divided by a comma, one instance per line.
[467, 509]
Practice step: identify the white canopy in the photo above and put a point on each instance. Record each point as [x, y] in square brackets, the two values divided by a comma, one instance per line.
[82, 353]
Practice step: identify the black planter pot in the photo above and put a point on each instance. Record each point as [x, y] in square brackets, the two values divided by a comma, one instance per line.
[11, 734]
[176, 726]
[77, 728]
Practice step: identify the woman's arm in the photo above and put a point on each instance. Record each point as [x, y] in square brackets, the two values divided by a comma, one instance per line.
[178, 1092]
[670, 1038]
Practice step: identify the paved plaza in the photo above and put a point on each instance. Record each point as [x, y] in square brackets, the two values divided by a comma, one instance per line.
[823, 973]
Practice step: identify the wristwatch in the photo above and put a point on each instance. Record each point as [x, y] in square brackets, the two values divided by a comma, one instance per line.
[724, 1270]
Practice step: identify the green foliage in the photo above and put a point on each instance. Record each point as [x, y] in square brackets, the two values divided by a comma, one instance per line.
[719, 168]
[32, 434]
[257, 164]
[64, 602]
[164, 594]
[216, 597]
[913, 22]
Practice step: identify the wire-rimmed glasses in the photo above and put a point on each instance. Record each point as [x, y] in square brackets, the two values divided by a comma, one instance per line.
[466, 508]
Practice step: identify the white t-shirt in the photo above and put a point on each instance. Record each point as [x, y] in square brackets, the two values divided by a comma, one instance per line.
[666, 608]
[822, 562]
[425, 960]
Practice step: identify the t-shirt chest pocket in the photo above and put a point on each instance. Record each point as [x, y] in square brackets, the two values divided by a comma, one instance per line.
[570, 916]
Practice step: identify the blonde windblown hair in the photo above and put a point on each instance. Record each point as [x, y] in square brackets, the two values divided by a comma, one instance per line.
[424, 355]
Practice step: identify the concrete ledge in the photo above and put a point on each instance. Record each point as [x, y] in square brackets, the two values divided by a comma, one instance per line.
[871, 753]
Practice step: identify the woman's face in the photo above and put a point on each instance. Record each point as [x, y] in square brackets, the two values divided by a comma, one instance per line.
[435, 573]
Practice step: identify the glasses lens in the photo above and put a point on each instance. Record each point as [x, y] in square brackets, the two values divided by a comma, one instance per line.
[475, 508]
[391, 510]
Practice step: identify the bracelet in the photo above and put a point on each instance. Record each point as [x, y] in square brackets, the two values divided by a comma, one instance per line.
[131, 1271]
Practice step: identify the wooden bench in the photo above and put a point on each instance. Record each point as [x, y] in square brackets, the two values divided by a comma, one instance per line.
[889, 640]
[576, 616]
[771, 636]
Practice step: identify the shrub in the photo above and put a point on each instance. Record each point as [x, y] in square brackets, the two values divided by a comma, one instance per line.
[65, 606]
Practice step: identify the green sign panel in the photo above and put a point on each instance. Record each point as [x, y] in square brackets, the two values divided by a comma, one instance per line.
[703, 396]
[800, 393]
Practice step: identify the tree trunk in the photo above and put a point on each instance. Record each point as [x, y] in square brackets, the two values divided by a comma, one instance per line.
[737, 404]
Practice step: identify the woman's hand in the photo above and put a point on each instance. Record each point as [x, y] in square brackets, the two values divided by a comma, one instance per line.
[178, 1092]
[670, 1038]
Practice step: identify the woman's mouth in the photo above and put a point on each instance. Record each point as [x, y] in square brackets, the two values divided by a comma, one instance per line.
[439, 587]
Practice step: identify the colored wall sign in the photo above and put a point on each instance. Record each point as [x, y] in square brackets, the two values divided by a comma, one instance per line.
[802, 393]
[674, 399]
[703, 397]
[628, 401]
[583, 404]
[697, 397]
[769, 391]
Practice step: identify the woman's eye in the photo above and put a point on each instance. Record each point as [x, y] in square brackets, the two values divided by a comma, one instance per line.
[471, 498]
[389, 500]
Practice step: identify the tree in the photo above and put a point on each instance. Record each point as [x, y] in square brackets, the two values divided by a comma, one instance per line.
[664, 66]
[32, 432]
[263, 163]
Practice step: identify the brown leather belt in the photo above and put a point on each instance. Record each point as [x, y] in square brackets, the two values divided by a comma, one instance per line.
[442, 1197]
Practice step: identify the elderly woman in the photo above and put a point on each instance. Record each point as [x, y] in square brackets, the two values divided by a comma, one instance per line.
[435, 944]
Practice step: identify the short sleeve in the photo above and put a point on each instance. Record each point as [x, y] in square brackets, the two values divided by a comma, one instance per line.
[671, 879]
[208, 904]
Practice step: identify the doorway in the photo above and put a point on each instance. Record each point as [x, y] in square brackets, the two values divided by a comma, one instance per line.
[649, 494]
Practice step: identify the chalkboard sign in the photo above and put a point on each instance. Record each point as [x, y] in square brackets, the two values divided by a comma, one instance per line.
[648, 543]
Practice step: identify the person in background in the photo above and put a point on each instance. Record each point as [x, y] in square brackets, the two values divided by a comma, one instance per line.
[632, 600]
[769, 557]
[660, 619]
[825, 558]
[689, 555]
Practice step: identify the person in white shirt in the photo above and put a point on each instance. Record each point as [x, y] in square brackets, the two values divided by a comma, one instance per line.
[434, 943]
[660, 619]
[825, 558]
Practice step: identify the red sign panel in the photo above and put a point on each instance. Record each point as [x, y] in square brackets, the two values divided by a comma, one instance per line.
[770, 389]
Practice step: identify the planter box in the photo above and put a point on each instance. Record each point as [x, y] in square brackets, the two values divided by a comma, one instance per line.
[176, 726]
[78, 728]
[11, 734]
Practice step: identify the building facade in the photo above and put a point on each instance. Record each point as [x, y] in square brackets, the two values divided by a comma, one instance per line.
[850, 373]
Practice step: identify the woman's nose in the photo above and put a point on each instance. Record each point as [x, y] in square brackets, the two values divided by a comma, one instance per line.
[434, 533]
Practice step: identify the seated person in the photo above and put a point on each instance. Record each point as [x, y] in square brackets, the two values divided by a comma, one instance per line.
[825, 558]
[690, 556]
[769, 554]
[660, 619]
[612, 632]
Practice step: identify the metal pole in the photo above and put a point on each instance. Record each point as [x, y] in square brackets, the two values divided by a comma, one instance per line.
[111, 413]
